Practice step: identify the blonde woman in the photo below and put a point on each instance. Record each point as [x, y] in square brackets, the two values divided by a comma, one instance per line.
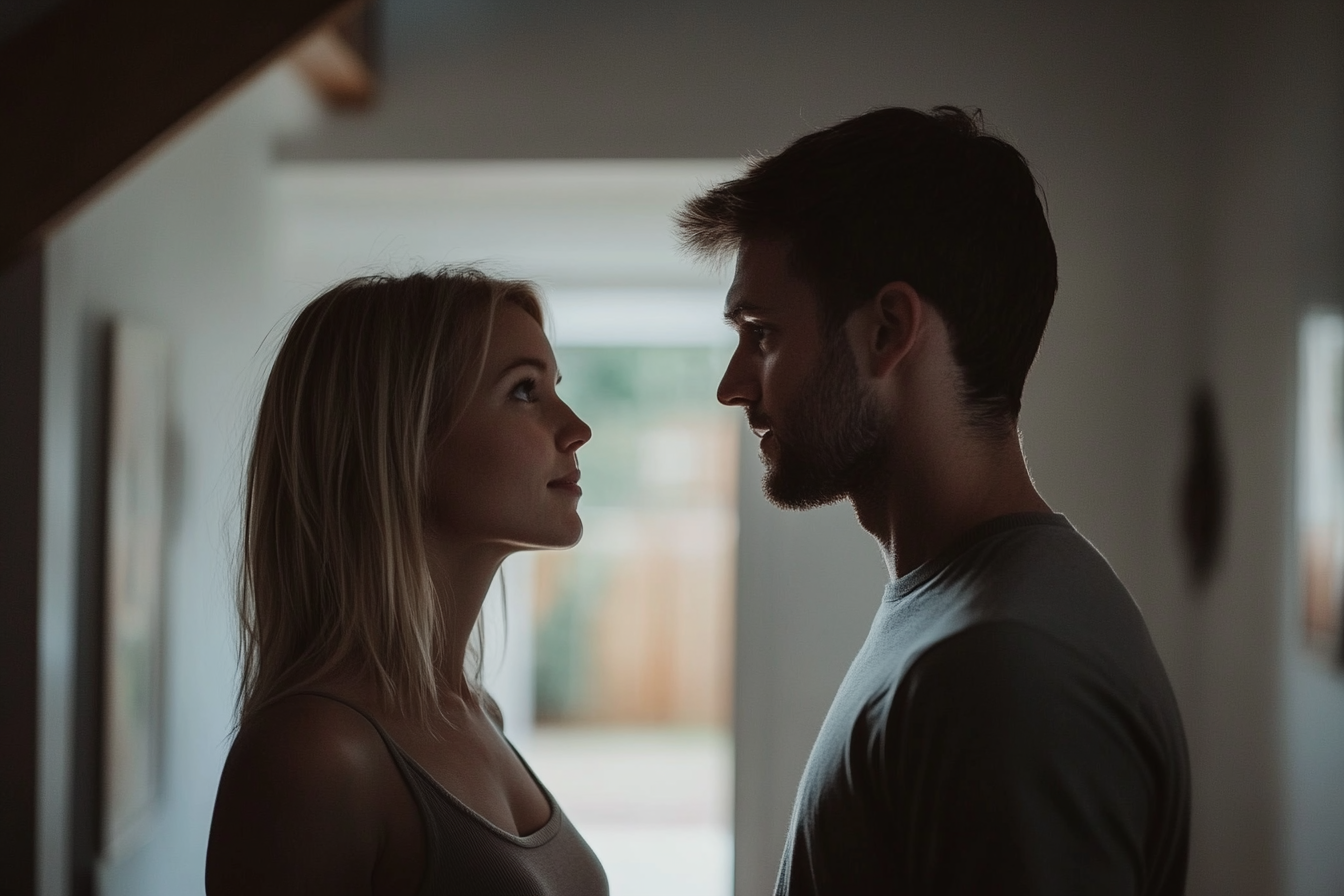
[410, 438]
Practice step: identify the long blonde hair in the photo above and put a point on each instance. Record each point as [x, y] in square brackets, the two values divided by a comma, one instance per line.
[334, 574]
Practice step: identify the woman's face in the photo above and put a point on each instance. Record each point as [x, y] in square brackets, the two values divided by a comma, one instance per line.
[507, 475]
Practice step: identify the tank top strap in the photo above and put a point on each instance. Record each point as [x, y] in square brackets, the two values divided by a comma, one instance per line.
[407, 769]
[398, 755]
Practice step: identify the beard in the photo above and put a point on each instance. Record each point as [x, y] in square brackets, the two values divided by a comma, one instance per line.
[828, 439]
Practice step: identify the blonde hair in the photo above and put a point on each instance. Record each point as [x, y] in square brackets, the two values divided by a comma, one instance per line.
[334, 575]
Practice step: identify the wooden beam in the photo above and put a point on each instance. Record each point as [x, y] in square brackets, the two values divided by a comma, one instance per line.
[337, 59]
[94, 85]
[20, 520]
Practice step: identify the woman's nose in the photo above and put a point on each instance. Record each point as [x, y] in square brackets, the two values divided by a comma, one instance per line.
[574, 433]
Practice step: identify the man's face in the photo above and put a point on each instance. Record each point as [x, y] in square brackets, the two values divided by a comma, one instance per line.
[819, 435]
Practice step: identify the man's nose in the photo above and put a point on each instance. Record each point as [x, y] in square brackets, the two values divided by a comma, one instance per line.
[739, 386]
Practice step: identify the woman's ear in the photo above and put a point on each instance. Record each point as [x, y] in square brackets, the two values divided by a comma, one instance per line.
[883, 330]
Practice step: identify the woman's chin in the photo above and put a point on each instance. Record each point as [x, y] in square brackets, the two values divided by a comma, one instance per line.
[561, 537]
[573, 536]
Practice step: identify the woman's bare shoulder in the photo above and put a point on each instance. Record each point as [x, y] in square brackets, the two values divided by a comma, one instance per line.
[324, 736]
[301, 801]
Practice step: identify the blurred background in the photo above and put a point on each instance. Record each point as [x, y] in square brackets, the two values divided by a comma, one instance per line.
[666, 677]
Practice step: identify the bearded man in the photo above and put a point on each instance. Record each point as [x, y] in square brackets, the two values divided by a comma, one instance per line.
[1007, 726]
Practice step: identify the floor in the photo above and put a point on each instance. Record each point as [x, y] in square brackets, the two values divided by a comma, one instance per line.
[654, 803]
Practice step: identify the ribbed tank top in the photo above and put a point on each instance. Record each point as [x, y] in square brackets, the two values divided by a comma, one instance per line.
[466, 854]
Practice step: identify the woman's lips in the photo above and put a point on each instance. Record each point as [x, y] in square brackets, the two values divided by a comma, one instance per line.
[568, 483]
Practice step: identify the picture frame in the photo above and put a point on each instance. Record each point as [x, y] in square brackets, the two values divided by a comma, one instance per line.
[137, 430]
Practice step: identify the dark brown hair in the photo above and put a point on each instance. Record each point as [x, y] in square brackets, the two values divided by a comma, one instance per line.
[896, 194]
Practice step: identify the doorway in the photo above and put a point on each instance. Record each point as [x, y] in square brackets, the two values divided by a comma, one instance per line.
[612, 661]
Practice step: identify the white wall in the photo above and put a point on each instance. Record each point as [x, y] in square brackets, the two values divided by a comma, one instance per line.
[1276, 227]
[181, 244]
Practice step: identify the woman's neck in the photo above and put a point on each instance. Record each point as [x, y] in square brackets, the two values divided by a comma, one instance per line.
[461, 577]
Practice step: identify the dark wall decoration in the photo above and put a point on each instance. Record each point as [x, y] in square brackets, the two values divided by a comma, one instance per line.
[1203, 487]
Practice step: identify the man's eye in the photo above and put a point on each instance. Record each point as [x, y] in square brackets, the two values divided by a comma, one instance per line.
[757, 333]
[526, 390]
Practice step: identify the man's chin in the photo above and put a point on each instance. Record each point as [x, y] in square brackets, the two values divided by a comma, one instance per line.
[790, 489]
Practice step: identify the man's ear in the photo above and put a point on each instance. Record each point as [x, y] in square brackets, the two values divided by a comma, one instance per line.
[883, 330]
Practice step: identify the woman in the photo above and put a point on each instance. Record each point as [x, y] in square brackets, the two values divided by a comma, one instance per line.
[410, 438]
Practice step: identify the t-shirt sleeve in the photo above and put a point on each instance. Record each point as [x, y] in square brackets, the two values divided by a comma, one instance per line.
[1008, 765]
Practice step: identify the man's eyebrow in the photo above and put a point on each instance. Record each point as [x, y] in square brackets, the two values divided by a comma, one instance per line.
[538, 363]
[737, 309]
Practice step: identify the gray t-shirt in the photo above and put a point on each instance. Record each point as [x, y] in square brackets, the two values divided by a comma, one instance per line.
[1006, 728]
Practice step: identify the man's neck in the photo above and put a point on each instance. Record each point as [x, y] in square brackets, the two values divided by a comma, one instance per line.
[927, 501]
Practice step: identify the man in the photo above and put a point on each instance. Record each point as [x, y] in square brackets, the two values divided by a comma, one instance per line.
[1007, 726]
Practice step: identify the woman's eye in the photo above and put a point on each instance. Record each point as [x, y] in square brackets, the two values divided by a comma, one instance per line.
[525, 391]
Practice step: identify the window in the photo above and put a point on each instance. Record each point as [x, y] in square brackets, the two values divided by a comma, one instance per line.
[1320, 478]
